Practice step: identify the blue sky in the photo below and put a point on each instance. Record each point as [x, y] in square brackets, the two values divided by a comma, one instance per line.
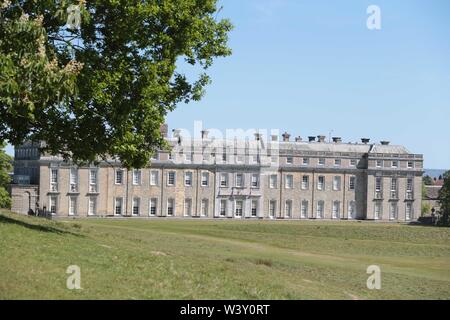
[311, 67]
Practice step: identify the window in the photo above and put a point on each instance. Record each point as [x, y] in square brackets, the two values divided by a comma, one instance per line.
[171, 178]
[337, 162]
[93, 180]
[154, 177]
[304, 209]
[136, 177]
[255, 180]
[239, 206]
[72, 206]
[204, 208]
[153, 206]
[394, 188]
[395, 164]
[118, 206]
[240, 158]
[54, 180]
[136, 206]
[352, 210]
[254, 159]
[188, 179]
[353, 162]
[273, 181]
[223, 208]
[336, 210]
[170, 207]
[274, 159]
[320, 209]
[53, 204]
[378, 188]
[409, 211]
[305, 161]
[336, 183]
[205, 179]
[254, 208]
[92, 206]
[288, 209]
[188, 157]
[289, 160]
[410, 164]
[206, 157]
[289, 184]
[379, 163]
[155, 156]
[119, 176]
[272, 208]
[224, 180]
[409, 189]
[224, 156]
[352, 183]
[188, 207]
[393, 211]
[321, 161]
[73, 180]
[321, 183]
[170, 156]
[239, 180]
[305, 182]
[378, 211]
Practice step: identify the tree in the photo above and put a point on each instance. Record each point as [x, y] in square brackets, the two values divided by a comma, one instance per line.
[5, 169]
[426, 208]
[428, 181]
[444, 199]
[102, 88]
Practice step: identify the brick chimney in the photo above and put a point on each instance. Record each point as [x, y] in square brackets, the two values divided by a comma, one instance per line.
[321, 139]
[164, 129]
[286, 137]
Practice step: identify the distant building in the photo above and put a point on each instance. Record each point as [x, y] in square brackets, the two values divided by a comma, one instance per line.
[255, 179]
[431, 197]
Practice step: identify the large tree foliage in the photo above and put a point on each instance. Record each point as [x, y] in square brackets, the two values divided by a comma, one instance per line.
[102, 89]
[5, 169]
[444, 199]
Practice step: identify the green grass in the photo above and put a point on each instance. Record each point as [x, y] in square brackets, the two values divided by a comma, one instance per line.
[193, 259]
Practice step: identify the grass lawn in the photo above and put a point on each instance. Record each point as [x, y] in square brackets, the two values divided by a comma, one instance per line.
[195, 259]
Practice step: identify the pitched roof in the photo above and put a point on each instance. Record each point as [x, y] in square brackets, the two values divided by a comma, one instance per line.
[432, 192]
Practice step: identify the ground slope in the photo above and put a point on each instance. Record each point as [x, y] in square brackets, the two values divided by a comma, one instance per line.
[194, 259]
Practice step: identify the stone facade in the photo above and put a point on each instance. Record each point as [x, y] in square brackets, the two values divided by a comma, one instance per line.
[233, 179]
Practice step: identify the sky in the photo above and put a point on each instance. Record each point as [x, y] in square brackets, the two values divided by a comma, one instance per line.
[313, 67]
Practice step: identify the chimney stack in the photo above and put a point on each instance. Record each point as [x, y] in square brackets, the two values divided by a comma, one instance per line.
[274, 138]
[365, 140]
[321, 139]
[286, 137]
[385, 143]
[164, 130]
[312, 139]
[337, 139]
[298, 139]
